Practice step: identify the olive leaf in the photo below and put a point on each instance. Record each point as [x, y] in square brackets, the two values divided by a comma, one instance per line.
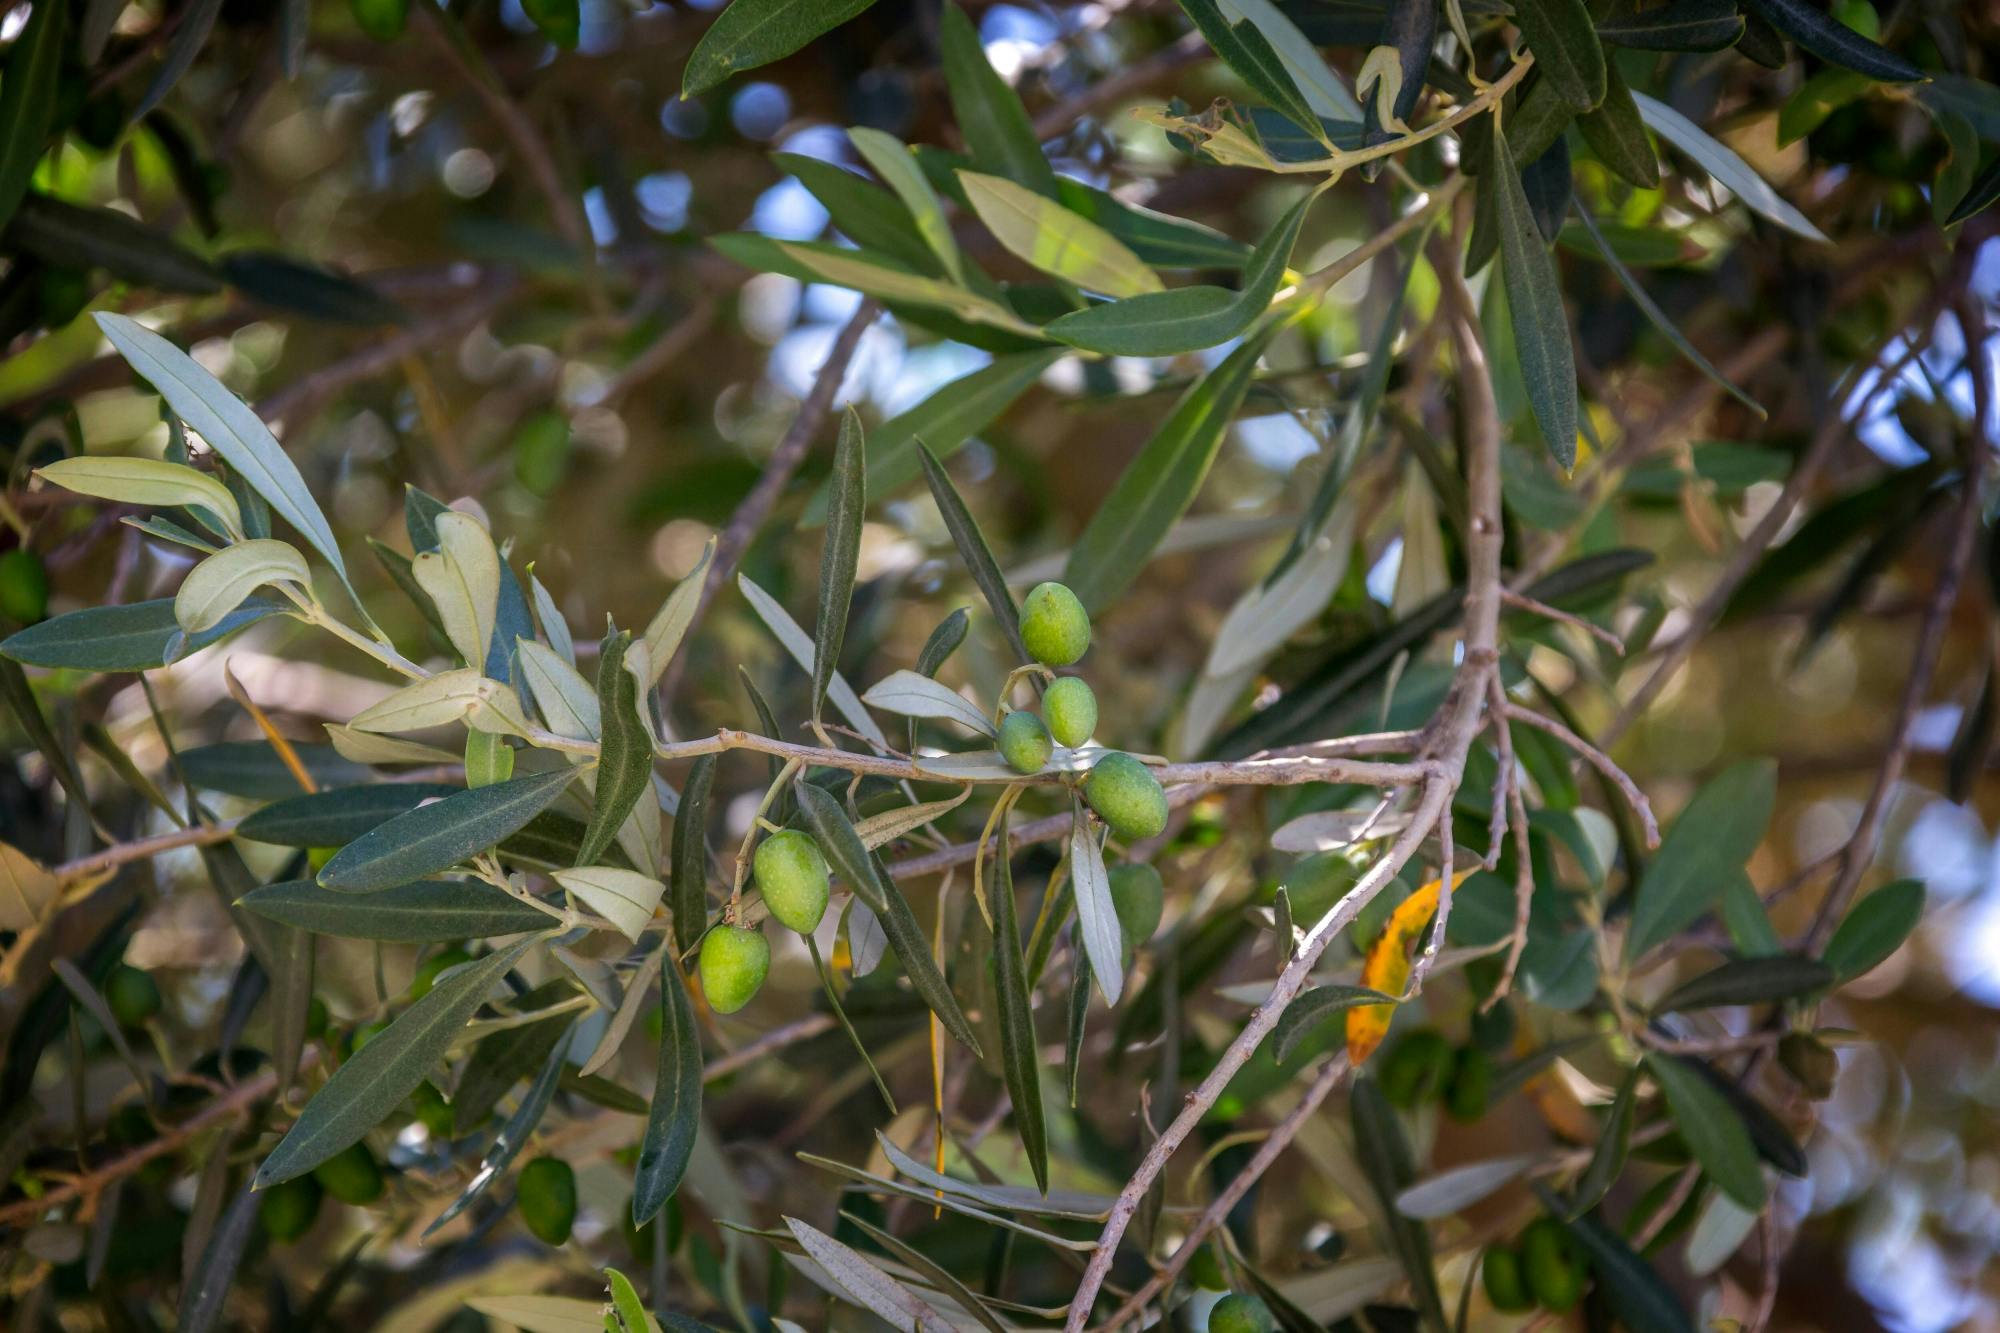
[1535, 305]
[973, 550]
[204, 1300]
[669, 624]
[513, 1135]
[674, 1119]
[863, 1283]
[437, 836]
[375, 1079]
[1743, 981]
[337, 817]
[428, 910]
[1614, 1144]
[1723, 163]
[1246, 50]
[146, 481]
[689, 853]
[224, 581]
[1096, 914]
[750, 33]
[1313, 1007]
[989, 114]
[1682, 25]
[1384, 1155]
[1566, 49]
[891, 159]
[794, 641]
[1042, 233]
[624, 773]
[1713, 1131]
[1460, 1187]
[1020, 1057]
[912, 695]
[841, 554]
[1833, 41]
[1637, 1294]
[28, 101]
[75, 236]
[1711, 841]
[462, 579]
[1875, 928]
[626, 898]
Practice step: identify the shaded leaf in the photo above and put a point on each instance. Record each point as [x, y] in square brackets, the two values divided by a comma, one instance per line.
[1447, 1192]
[972, 549]
[1250, 54]
[1833, 41]
[756, 32]
[1315, 1006]
[1614, 1144]
[1749, 981]
[1875, 928]
[138, 636]
[840, 556]
[1641, 1299]
[1683, 25]
[429, 910]
[442, 834]
[1020, 1056]
[74, 236]
[625, 756]
[1710, 842]
[674, 1120]
[289, 284]
[1713, 1131]
[336, 818]
[987, 111]
[1566, 49]
[513, 1136]
[795, 642]
[1096, 914]
[690, 853]
[28, 101]
[1725, 165]
[1384, 1155]
[204, 1300]
[864, 1284]
[1535, 306]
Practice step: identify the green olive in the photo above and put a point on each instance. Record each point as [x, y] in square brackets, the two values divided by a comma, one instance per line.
[132, 995]
[1505, 1287]
[24, 586]
[1417, 1067]
[383, 20]
[434, 1113]
[1070, 705]
[1054, 625]
[1471, 1085]
[1811, 1061]
[1024, 742]
[792, 876]
[1241, 1313]
[351, 1175]
[433, 967]
[1137, 893]
[547, 1199]
[1205, 1270]
[1554, 1269]
[733, 964]
[1127, 796]
[288, 1208]
[541, 451]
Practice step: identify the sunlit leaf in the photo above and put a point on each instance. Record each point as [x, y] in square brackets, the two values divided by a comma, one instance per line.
[1041, 232]
[1875, 929]
[750, 33]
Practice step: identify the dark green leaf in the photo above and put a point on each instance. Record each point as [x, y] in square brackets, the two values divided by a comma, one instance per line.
[197, 21]
[505, 1058]
[513, 1135]
[972, 549]
[204, 1300]
[689, 853]
[1614, 1144]
[1875, 928]
[1385, 1159]
[1539, 120]
[1773, 1142]
[1683, 25]
[376, 1078]
[1713, 1131]
[1746, 921]
[27, 710]
[1617, 134]
[1710, 842]
[756, 32]
[28, 102]
[284, 283]
[256, 772]
[1313, 1007]
[1020, 1058]
[429, 910]
[1547, 183]
[1246, 51]
[1157, 238]
[1833, 41]
[336, 818]
[675, 1118]
[1979, 195]
[1566, 48]
[1079, 1012]
[440, 835]
[864, 212]
[1188, 319]
[135, 637]
[1159, 485]
[989, 114]
[73, 236]
[1749, 981]
[625, 754]
[1535, 305]
[840, 556]
[1643, 1301]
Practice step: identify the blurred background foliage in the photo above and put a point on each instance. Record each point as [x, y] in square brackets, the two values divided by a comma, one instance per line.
[540, 326]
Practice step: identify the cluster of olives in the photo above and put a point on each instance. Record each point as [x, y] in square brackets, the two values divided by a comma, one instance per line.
[1423, 1065]
[1124, 793]
[793, 878]
[1545, 1267]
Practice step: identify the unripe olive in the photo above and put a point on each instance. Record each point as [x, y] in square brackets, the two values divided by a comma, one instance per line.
[733, 963]
[1205, 1271]
[1471, 1085]
[1553, 1268]
[433, 967]
[382, 19]
[61, 292]
[1071, 708]
[366, 1033]
[132, 995]
[1239, 1312]
[1505, 1286]
[541, 451]
[1127, 796]
[1417, 1067]
[1024, 742]
[1136, 894]
[351, 1175]
[288, 1208]
[24, 586]
[1054, 625]
[792, 876]
[433, 1111]
[547, 1199]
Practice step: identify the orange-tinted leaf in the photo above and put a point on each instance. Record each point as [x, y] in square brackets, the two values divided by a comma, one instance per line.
[1387, 968]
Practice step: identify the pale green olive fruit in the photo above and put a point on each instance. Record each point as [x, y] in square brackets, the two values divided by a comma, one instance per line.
[1127, 796]
[1054, 625]
[1024, 742]
[1071, 708]
[792, 876]
[733, 964]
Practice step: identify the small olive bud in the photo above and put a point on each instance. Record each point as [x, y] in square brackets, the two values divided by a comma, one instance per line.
[1024, 742]
[734, 961]
[1054, 625]
[1071, 708]
[792, 876]
[1127, 796]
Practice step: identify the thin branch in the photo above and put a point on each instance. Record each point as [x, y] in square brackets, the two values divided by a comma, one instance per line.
[1520, 601]
[1597, 759]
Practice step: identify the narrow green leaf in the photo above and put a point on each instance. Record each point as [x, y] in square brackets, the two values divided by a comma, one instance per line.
[1384, 1154]
[502, 1060]
[1079, 1013]
[376, 1078]
[286, 283]
[1659, 318]
[1617, 134]
[75, 236]
[933, 1272]
[1683, 25]
[756, 32]
[1250, 54]
[256, 772]
[972, 549]
[138, 636]
[1710, 842]
[1096, 914]
[1725, 165]
[796, 642]
[840, 556]
[906, 936]
[842, 846]
[1188, 319]
[1875, 928]
[1744, 918]
[438, 836]
[690, 853]
[864, 212]
[28, 101]
[891, 159]
[228, 425]
[1643, 1301]
[513, 1136]
[863, 1283]
[1535, 305]
[1160, 239]
[1833, 41]
[1313, 1007]
[1614, 1144]
[989, 114]
[429, 910]
[204, 1300]
[1459, 1187]
[1749, 981]
[873, 274]
[1160, 484]
[1566, 48]
[1713, 1131]
[1315, 80]
[336, 818]
[196, 23]
[674, 1120]
[625, 759]
[1020, 1057]
[1043, 234]
[1979, 195]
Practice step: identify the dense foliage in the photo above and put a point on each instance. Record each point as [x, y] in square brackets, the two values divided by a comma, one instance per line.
[1043, 707]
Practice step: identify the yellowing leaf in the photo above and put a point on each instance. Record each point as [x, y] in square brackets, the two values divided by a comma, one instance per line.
[27, 891]
[1387, 967]
[1056, 241]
